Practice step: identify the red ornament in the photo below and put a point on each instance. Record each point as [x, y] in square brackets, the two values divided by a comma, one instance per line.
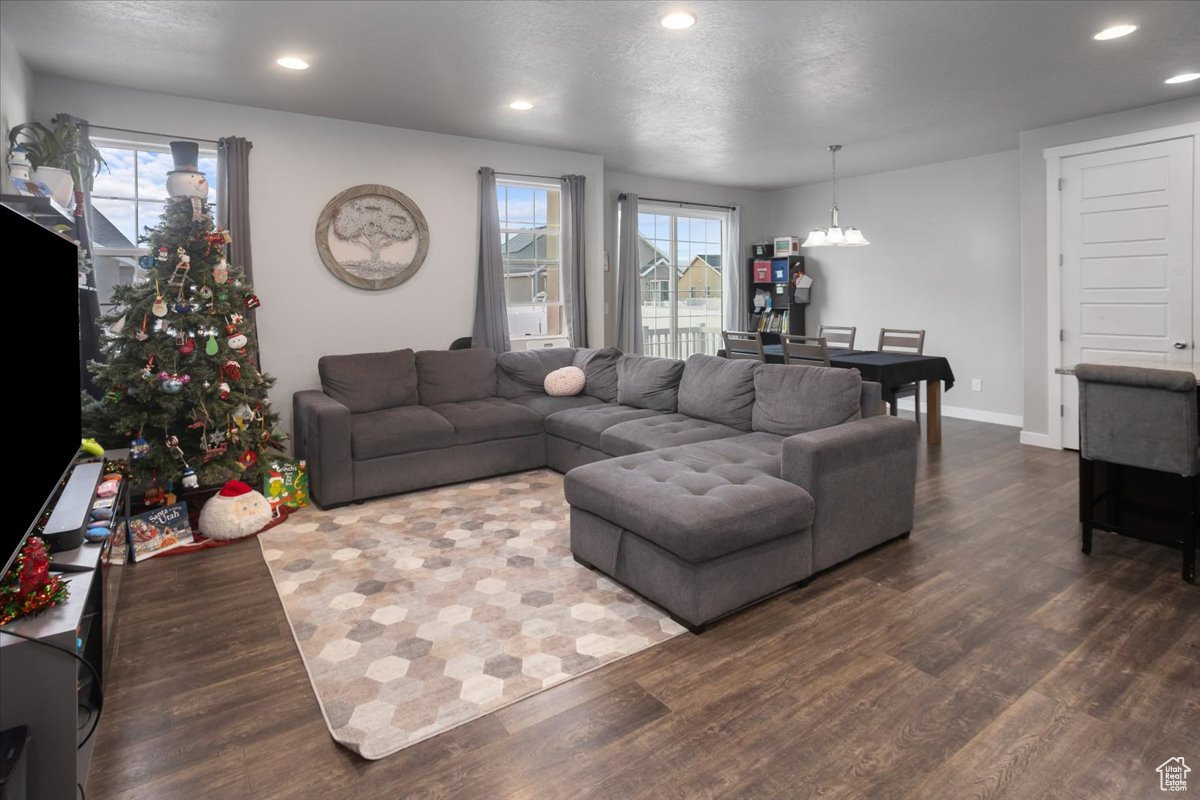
[28, 587]
[248, 459]
[252, 301]
[232, 370]
[188, 347]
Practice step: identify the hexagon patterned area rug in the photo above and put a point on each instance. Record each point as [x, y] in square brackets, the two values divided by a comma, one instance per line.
[417, 613]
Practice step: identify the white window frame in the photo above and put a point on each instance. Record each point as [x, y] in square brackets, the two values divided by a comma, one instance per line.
[549, 230]
[674, 211]
[149, 147]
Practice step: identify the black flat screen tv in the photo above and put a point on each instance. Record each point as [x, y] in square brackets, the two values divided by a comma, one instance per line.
[42, 429]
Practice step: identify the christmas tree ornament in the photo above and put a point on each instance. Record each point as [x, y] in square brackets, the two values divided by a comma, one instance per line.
[114, 395]
[221, 271]
[186, 182]
[190, 481]
[141, 334]
[146, 261]
[205, 292]
[243, 416]
[248, 459]
[188, 347]
[182, 306]
[232, 370]
[139, 449]
[251, 301]
[238, 341]
[211, 347]
[180, 275]
[148, 370]
[173, 382]
[159, 309]
[220, 237]
[163, 254]
[223, 390]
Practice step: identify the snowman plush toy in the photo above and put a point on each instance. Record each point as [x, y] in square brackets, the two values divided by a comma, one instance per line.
[186, 181]
[234, 512]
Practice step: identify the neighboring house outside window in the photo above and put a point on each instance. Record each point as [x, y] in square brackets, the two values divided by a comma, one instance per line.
[128, 197]
[680, 253]
[529, 241]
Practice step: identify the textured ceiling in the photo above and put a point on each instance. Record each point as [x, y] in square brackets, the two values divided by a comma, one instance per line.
[748, 97]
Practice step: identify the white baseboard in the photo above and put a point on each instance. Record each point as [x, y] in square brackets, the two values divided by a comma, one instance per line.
[973, 414]
[1039, 440]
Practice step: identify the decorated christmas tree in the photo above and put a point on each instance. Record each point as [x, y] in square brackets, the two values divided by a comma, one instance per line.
[180, 377]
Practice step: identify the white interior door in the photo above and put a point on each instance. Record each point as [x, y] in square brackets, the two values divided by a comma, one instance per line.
[1127, 233]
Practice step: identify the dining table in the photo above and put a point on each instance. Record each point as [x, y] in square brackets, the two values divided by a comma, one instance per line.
[893, 371]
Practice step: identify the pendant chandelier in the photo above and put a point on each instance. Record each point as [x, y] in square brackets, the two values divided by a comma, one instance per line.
[834, 235]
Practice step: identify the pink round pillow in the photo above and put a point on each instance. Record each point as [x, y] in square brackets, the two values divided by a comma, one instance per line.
[564, 382]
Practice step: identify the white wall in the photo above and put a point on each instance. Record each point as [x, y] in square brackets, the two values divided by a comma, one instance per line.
[298, 163]
[755, 221]
[944, 257]
[1038, 373]
[16, 96]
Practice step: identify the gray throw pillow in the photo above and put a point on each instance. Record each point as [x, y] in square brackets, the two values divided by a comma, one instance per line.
[791, 399]
[370, 381]
[718, 390]
[452, 376]
[599, 365]
[649, 382]
[521, 373]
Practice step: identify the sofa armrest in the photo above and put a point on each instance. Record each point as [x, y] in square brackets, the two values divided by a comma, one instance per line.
[872, 399]
[322, 437]
[862, 476]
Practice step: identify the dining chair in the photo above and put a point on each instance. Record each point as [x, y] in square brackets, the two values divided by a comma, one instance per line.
[838, 335]
[1139, 417]
[900, 340]
[810, 350]
[744, 345]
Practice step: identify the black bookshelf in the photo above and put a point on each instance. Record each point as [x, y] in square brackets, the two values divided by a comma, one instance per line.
[784, 315]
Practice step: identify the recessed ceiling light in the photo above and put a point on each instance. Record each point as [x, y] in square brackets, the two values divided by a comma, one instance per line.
[1115, 32]
[1183, 77]
[290, 62]
[678, 20]
[520, 105]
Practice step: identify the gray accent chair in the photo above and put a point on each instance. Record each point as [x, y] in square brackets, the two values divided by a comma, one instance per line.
[704, 485]
[1139, 417]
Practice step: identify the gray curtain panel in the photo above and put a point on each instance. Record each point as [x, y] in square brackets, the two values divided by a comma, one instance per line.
[491, 317]
[733, 277]
[89, 300]
[629, 304]
[573, 260]
[233, 203]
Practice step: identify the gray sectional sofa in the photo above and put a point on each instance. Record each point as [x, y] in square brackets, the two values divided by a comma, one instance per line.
[704, 485]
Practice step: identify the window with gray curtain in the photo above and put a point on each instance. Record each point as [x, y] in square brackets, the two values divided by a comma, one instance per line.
[629, 312]
[574, 258]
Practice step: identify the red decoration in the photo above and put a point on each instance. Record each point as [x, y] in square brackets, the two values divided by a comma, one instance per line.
[28, 587]
[232, 370]
[248, 459]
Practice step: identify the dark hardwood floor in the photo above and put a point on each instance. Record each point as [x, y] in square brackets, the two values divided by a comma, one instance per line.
[985, 657]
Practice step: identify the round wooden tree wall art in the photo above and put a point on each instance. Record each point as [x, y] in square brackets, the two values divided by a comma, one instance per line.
[372, 237]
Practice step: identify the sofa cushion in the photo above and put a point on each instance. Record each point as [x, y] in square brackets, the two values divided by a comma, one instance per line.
[689, 502]
[648, 382]
[791, 399]
[584, 425]
[451, 376]
[370, 381]
[599, 365]
[718, 389]
[523, 372]
[547, 405]
[762, 451]
[487, 419]
[662, 430]
[565, 382]
[392, 431]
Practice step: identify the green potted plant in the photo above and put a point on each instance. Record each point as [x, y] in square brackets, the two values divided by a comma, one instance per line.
[60, 159]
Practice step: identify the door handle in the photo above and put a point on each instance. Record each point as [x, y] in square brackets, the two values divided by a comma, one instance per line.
[1180, 345]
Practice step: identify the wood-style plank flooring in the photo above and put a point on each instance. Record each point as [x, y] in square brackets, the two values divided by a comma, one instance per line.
[985, 657]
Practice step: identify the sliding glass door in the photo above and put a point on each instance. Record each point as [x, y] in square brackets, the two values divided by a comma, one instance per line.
[681, 252]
